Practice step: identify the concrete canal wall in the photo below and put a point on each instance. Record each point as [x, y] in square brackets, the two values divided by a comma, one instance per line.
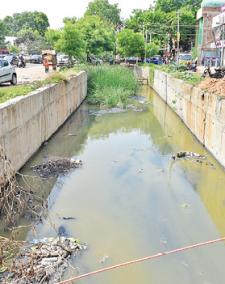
[203, 113]
[26, 122]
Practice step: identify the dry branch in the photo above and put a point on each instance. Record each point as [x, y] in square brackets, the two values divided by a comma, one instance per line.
[15, 199]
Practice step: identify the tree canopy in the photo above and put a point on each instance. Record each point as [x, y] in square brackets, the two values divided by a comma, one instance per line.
[31, 41]
[71, 41]
[151, 49]
[99, 36]
[52, 36]
[96, 31]
[2, 33]
[160, 25]
[36, 21]
[130, 43]
[105, 10]
[174, 5]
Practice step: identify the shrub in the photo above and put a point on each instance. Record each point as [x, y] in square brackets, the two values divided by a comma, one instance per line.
[110, 85]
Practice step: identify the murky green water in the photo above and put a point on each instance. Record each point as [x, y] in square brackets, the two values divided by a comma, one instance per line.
[130, 201]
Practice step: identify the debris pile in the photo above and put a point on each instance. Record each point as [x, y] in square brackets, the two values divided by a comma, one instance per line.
[56, 167]
[213, 86]
[44, 261]
[8, 249]
[187, 155]
[15, 198]
[201, 159]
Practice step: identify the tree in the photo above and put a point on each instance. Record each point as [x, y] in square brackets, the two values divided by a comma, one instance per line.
[2, 34]
[130, 43]
[105, 10]
[36, 21]
[151, 49]
[13, 49]
[162, 26]
[187, 26]
[31, 41]
[152, 22]
[71, 41]
[99, 36]
[52, 37]
[72, 20]
[174, 5]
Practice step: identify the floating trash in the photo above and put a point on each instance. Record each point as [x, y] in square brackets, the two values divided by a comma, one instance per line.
[187, 155]
[56, 167]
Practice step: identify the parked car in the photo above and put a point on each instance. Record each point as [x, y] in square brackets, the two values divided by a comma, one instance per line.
[36, 58]
[185, 58]
[12, 59]
[147, 60]
[63, 60]
[157, 59]
[131, 60]
[7, 72]
[94, 60]
[27, 58]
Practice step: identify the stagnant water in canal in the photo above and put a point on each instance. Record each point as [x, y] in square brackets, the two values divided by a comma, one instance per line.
[130, 200]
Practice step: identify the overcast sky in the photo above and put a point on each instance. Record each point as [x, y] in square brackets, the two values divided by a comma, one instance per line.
[56, 10]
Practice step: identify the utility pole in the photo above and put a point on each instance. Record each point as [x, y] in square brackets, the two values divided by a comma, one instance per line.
[146, 41]
[178, 35]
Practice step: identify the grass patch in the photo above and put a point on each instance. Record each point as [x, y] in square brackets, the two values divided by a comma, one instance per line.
[177, 71]
[151, 73]
[180, 72]
[10, 92]
[110, 86]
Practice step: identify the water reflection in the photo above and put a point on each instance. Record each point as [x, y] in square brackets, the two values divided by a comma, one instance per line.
[129, 202]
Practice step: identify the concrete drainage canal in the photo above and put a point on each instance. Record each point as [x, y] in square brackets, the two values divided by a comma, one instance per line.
[129, 198]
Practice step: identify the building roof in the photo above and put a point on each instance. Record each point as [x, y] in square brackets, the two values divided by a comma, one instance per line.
[212, 3]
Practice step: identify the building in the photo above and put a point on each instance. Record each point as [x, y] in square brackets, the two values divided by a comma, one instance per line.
[204, 36]
[218, 27]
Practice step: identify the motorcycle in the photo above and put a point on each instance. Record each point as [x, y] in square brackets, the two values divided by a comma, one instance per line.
[21, 64]
[218, 74]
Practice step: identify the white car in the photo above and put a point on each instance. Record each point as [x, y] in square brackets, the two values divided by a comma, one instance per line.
[7, 72]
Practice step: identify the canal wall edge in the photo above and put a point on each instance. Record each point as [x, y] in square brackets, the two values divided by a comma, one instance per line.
[28, 121]
[202, 113]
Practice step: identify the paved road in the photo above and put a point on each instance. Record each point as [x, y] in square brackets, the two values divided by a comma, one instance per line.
[32, 72]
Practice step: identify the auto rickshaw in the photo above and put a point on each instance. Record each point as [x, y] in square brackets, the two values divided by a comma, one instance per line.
[51, 57]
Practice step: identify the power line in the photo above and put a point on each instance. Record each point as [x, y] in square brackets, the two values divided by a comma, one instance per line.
[158, 255]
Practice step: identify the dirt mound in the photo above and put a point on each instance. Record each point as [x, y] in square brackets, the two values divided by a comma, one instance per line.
[213, 86]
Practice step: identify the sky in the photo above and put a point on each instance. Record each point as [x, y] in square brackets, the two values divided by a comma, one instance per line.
[56, 10]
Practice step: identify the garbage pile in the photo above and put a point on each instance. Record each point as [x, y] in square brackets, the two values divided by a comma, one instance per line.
[43, 261]
[55, 167]
[187, 155]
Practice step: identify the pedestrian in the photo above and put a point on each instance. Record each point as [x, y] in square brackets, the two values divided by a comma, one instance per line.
[46, 64]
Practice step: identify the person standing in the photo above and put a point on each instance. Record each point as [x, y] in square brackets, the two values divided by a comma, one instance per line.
[46, 64]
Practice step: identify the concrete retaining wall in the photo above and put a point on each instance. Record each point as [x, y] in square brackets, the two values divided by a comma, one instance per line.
[26, 122]
[203, 113]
